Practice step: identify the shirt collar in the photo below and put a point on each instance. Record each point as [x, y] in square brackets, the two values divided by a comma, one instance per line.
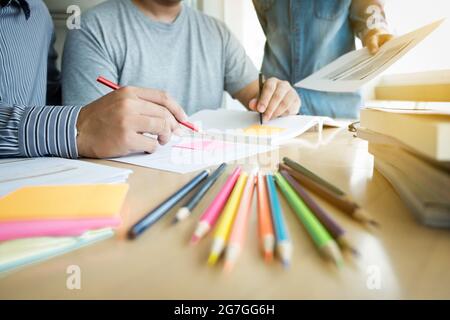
[23, 4]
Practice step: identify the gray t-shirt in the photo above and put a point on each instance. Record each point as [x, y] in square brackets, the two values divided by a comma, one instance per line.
[194, 59]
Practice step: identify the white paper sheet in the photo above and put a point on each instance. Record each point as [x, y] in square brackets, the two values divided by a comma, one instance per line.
[227, 126]
[353, 70]
[16, 173]
[181, 160]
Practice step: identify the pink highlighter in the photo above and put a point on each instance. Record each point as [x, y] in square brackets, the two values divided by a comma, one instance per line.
[212, 213]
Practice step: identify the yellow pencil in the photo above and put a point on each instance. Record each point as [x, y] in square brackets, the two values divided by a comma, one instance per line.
[225, 222]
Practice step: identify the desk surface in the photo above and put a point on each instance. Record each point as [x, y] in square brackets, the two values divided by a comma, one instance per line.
[411, 261]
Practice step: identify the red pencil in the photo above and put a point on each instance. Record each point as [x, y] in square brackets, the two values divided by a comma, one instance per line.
[114, 86]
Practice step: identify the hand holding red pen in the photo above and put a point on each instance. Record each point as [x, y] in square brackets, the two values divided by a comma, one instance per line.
[112, 126]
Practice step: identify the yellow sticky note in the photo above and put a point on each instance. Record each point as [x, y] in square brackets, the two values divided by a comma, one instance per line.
[258, 129]
[67, 201]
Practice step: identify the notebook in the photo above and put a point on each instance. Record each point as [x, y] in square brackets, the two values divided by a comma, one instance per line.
[55, 227]
[19, 172]
[243, 126]
[23, 252]
[67, 201]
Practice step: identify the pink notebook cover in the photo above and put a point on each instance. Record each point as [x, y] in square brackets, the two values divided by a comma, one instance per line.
[53, 228]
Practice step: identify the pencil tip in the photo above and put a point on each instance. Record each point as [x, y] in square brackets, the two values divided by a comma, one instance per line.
[355, 252]
[374, 223]
[131, 234]
[228, 266]
[213, 257]
[195, 239]
[268, 256]
[363, 216]
[174, 221]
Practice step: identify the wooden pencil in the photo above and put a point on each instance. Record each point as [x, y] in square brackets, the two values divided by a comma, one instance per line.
[336, 231]
[320, 236]
[347, 206]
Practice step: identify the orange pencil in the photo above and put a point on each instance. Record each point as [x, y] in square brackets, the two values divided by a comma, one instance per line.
[266, 232]
[239, 229]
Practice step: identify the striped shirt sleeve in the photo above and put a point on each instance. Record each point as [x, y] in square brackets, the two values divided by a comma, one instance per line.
[38, 131]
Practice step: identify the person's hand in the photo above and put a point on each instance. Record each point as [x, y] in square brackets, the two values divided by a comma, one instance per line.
[113, 125]
[278, 98]
[375, 38]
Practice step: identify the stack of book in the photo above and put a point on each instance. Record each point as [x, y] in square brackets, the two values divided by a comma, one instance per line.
[50, 206]
[411, 148]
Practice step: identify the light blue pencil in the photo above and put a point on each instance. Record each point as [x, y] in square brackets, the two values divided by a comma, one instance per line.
[283, 242]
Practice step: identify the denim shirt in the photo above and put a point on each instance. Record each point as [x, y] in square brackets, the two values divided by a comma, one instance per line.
[305, 35]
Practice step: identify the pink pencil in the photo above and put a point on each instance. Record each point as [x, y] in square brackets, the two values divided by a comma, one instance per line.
[238, 231]
[209, 217]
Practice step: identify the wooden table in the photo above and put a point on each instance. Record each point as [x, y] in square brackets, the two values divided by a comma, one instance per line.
[409, 260]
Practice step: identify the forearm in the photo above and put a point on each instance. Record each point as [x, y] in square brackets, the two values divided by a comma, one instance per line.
[246, 94]
[38, 131]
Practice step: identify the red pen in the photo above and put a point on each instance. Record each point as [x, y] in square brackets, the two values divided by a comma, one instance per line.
[114, 86]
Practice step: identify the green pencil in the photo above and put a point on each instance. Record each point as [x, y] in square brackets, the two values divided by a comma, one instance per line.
[316, 230]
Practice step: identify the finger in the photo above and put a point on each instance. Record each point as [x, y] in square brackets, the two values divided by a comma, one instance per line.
[383, 38]
[276, 101]
[163, 99]
[141, 143]
[286, 113]
[153, 125]
[153, 110]
[269, 88]
[253, 104]
[288, 105]
[372, 44]
[296, 103]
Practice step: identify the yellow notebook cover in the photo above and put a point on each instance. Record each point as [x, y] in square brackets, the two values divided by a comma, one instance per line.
[67, 201]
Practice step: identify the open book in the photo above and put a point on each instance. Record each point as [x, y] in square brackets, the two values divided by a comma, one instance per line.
[354, 69]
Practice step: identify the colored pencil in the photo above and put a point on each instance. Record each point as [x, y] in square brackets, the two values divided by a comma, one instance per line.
[210, 215]
[114, 86]
[298, 167]
[186, 210]
[223, 227]
[336, 231]
[316, 230]
[165, 206]
[284, 245]
[347, 206]
[237, 235]
[266, 231]
[261, 87]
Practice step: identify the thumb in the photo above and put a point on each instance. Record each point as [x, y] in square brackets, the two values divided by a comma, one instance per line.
[372, 44]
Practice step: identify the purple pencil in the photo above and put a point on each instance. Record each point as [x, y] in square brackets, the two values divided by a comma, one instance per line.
[328, 222]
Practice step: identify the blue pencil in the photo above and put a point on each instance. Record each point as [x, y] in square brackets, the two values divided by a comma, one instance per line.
[186, 210]
[165, 206]
[284, 246]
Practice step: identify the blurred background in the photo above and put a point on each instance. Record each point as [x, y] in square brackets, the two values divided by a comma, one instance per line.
[429, 60]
